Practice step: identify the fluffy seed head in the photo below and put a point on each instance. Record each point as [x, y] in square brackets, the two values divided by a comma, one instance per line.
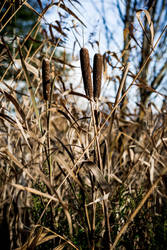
[86, 72]
[97, 75]
[46, 79]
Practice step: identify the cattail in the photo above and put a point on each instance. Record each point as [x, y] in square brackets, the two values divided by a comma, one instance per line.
[86, 72]
[97, 75]
[46, 79]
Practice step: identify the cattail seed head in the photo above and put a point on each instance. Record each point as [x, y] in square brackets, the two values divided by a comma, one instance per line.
[86, 72]
[46, 79]
[97, 75]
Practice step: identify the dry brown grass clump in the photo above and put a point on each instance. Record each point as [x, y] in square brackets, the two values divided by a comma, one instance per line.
[66, 180]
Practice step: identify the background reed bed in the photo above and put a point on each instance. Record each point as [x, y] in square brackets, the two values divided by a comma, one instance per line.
[75, 178]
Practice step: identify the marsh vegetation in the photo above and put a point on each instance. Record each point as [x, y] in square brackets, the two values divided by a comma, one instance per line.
[70, 177]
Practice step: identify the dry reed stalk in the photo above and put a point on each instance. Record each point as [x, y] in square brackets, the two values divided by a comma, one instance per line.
[86, 72]
[97, 75]
[46, 79]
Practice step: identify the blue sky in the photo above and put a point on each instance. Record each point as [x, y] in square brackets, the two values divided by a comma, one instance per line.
[87, 12]
[90, 15]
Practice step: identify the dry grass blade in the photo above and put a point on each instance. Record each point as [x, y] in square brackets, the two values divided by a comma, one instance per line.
[40, 4]
[142, 85]
[66, 149]
[3, 5]
[103, 198]
[22, 131]
[5, 12]
[64, 62]
[44, 238]
[65, 115]
[31, 8]
[29, 86]
[64, 7]
[78, 94]
[8, 50]
[60, 247]
[152, 169]
[42, 235]
[12, 89]
[122, 83]
[46, 79]
[97, 75]
[59, 29]
[9, 19]
[69, 170]
[138, 13]
[86, 72]
[29, 67]
[14, 159]
[61, 237]
[99, 177]
[16, 104]
[7, 118]
[118, 97]
[34, 191]
[33, 241]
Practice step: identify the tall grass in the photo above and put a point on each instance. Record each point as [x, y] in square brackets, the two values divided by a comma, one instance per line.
[67, 179]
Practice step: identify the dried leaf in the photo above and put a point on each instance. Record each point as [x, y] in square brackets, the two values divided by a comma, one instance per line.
[70, 171]
[29, 85]
[78, 94]
[59, 29]
[138, 13]
[16, 104]
[34, 191]
[98, 175]
[7, 118]
[152, 169]
[64, 7]
[103, 198]
[14, 159]
[29, 67]
[61, 246]
[22, 131]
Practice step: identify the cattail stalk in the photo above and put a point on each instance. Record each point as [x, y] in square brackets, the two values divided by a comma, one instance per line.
[97, 75]
[46, 79]
[47, 88]
[86, 72]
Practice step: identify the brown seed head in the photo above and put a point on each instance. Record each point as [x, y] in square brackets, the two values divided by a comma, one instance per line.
[86, 72]
[97, 75]
[46, 78]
